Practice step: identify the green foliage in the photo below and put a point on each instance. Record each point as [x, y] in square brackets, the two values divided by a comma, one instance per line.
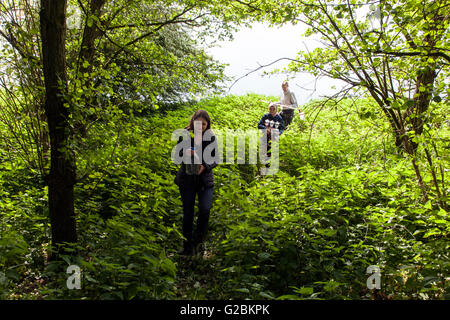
[150, 54]
[339, 205]
[343, 200]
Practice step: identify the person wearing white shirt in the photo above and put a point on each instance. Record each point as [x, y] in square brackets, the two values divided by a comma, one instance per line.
[288, 104]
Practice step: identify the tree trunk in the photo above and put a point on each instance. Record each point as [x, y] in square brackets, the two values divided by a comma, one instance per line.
[90, 34]
[61, 178]
[422, 98]
[86, 58]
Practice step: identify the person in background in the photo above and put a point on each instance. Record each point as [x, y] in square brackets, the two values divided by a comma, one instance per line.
[271, 120]
[196, 180]
[272, 115]
[288, 104]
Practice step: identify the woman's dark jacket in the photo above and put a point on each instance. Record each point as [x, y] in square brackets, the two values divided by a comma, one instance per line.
[206, 178]
[276, 118]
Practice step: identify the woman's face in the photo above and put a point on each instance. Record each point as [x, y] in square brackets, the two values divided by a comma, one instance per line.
[272, 110]
[204, 123]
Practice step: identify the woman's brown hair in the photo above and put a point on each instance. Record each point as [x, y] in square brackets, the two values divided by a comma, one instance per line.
[199, 114]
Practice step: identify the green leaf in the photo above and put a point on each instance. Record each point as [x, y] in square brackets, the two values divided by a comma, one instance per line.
[437, 99]
[90, 22]
[266, 295]
[327, 232]
[432, 232]
[304, 290]
[66, 259]
[289, 297]
[264, 255]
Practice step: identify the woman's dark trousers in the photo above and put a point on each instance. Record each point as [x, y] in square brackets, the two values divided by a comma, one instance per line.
[188, 195]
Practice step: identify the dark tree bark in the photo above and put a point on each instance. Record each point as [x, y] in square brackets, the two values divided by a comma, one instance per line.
[90, 34]
[422, 98]
[87, 54]
[61, 178]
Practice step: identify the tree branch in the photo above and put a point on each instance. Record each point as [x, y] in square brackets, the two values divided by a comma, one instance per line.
[412, 54]
[249, 5]
[161, 25]
[261, 67]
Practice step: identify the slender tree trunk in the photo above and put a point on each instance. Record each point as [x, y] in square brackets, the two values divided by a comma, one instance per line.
[87, 57]
[442, 201]
[419, 179]
[90, 35]
[62, 166]
[422, 98]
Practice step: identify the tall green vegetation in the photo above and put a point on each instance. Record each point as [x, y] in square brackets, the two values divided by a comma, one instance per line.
[344, 199]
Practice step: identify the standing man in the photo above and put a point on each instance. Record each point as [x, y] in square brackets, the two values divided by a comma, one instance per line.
[288, 104]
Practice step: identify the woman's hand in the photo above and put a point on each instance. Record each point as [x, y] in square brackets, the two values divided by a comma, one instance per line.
[202, 168]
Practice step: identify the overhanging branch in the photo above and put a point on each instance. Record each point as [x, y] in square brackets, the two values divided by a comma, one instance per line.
[412, 54]
[261, 67]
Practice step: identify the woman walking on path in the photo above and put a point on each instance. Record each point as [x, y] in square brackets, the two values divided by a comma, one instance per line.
[197, 179]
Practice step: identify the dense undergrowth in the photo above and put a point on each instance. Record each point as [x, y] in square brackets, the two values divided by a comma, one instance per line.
[344, 199]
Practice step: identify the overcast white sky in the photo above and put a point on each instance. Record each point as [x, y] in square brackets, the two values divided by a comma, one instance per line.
[262, 45]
